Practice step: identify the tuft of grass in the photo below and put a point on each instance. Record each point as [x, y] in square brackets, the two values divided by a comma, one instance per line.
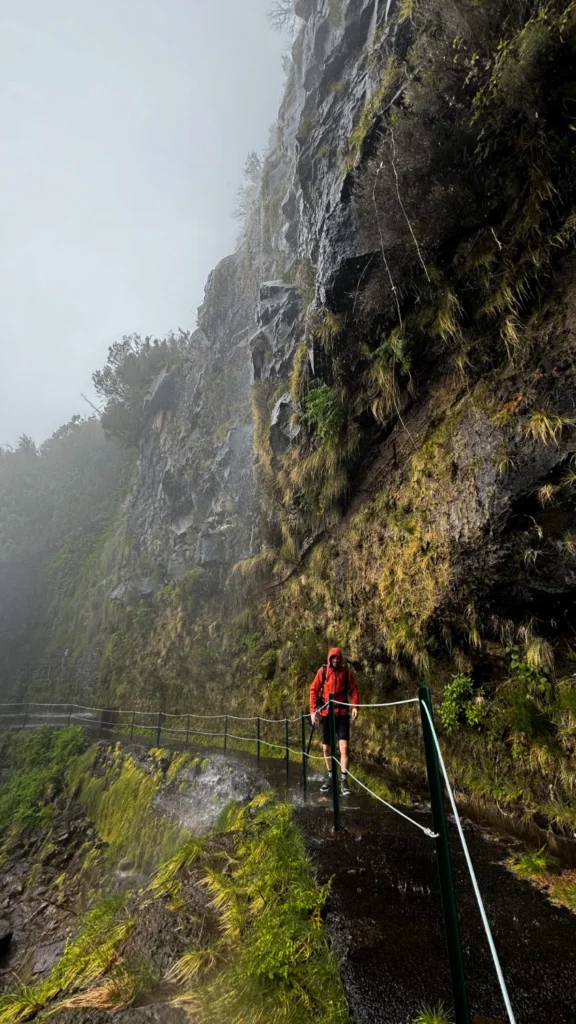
[389, 370]
[167, 874]
[535, 864]
[119, 991]
[327, 327]
[546, 427]
[437, 1014]
[299, 373]
[539, 654]
[546, 494]
[562, 890]
[23, 1003]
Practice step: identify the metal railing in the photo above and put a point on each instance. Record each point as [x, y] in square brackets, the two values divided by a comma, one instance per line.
[133, 724]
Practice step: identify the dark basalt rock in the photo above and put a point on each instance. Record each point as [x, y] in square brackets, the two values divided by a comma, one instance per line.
[6, 935]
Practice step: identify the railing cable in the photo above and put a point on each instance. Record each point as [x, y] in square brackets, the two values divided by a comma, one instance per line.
[479, 900]
[427, 831]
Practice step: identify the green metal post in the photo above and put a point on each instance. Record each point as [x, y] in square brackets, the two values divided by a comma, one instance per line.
[159, 729]
[287, 730]
[335, 790]
[304, 758]
[26, 710]
[132, 725]
[187, 731]
[258, 740]
[449, 909]
[69, 713]
[225, 732]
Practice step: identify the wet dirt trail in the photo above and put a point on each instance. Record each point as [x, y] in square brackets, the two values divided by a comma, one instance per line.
[385, 925]
[384, 915]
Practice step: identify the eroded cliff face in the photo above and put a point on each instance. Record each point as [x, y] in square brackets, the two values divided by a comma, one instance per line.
[415, 347]
[370, 439]
[192, 503]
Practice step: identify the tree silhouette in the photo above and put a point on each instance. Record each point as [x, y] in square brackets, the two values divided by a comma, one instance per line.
[281, 15]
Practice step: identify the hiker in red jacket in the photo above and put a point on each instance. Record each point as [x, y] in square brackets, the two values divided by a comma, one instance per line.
[336, 680]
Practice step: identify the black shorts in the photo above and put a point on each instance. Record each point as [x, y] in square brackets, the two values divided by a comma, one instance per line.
[342, 723]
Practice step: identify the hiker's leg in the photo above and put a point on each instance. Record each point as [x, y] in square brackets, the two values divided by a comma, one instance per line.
[326, 748]
[344, 754]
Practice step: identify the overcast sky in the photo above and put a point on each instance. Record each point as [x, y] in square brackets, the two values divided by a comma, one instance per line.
[125, 125]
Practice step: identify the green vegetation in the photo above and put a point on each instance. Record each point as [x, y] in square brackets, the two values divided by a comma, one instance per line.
[546, 426]
[271, 958]
[538, 867]
[131, 367]
[535, 864]
[118, 802]
[460, 703]
[260, 945]
[433, 1015]
[372, 109]
[323, 412]
[39, 762]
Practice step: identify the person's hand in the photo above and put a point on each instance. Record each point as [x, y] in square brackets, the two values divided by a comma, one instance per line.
[313, 718]
[354, 714]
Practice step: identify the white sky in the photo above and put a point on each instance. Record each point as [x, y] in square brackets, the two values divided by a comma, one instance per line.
[125, 125]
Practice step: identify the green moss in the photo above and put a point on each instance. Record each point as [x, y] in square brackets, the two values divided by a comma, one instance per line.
[371, 111]
[118, 802]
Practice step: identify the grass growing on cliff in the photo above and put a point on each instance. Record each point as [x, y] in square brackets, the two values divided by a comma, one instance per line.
[38, 762]
[118, 802]
[271, 960]
[93, 952]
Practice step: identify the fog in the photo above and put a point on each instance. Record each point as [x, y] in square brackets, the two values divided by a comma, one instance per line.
[125, 128]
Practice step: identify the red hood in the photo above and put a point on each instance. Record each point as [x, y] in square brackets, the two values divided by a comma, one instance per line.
[333, 652]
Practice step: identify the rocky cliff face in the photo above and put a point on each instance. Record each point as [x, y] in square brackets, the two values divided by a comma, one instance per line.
[373, 428]
[416, 342]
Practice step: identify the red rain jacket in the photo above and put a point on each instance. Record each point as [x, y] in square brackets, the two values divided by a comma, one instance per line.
[339, 682]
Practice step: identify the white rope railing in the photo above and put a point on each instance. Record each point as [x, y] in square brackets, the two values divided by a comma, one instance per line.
[24, 705]
[427, 831]
[261, 741]
[390, 704]
[477, 893]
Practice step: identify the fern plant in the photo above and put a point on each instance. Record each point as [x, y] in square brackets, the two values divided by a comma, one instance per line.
[323, 412]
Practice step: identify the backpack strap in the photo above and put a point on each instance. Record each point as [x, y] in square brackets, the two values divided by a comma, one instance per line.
[324, 674]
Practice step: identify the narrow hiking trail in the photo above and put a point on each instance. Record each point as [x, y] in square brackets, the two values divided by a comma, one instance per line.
[385, 923]
[384, 914]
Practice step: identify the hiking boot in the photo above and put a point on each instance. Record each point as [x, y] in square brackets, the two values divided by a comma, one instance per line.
[345, 788]
[326, 785]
